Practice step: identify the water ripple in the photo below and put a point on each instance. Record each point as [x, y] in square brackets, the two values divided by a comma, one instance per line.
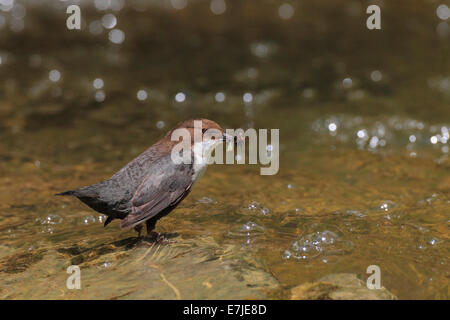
[320, 242]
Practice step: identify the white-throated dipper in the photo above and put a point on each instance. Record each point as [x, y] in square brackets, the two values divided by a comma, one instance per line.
[153, 184]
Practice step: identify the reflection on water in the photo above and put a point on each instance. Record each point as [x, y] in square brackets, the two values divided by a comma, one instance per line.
[364, 124]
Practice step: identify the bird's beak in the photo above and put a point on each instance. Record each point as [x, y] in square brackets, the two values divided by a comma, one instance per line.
[228, 138]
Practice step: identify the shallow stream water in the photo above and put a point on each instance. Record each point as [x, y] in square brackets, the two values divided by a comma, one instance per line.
[364, 119]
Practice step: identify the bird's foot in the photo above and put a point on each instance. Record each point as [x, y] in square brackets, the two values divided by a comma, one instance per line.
[157, 238]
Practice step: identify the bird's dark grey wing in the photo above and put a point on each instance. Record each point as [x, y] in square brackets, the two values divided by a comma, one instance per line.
[160, 189]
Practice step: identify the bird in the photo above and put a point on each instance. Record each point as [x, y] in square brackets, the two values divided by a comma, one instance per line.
[152, 185]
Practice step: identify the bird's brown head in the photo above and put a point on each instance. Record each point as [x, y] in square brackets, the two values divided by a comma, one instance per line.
[206, 129]
[204, 124]
[199, 131]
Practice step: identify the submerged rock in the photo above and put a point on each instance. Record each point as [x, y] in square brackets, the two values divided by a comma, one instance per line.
[197, 268]
[339, 286]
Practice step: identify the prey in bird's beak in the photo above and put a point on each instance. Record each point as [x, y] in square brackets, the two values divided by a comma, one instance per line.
[230, 140]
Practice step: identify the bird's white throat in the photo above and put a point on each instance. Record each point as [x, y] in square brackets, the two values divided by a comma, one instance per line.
[202, 155]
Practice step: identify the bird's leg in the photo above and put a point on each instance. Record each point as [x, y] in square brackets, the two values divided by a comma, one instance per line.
[138, 229]
[153, 235]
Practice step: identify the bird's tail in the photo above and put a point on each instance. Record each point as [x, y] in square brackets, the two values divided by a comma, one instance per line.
[66, 193]
[108, 220]
[80, 194]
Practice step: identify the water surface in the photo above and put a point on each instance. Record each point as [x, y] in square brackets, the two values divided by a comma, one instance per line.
[364, 123]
